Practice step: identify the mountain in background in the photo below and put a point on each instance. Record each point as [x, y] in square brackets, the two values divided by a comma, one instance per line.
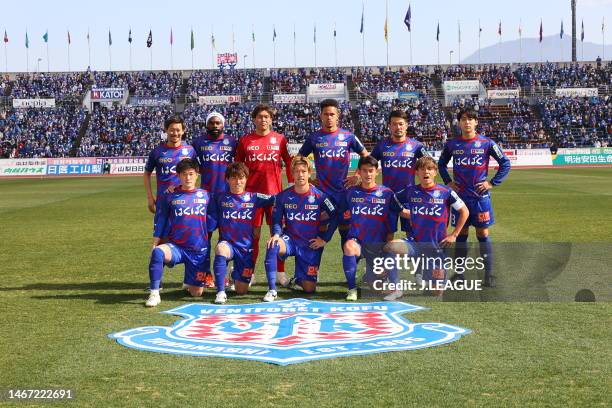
[510, 51]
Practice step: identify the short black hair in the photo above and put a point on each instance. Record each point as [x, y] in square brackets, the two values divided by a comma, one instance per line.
[367, 161]
[469, 111]
[263, 107]
[398, 114]
[187, 164]
[174, 119]
[326, 103]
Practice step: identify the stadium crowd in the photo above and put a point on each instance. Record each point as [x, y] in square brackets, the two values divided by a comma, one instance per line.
[144, 83]
[49, 132]
[578, 121]
[226, 82]
[45, 85]
[124, 131]
[408, 79]
[573, 75]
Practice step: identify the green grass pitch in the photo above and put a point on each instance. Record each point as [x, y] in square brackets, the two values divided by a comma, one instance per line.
[74, 265]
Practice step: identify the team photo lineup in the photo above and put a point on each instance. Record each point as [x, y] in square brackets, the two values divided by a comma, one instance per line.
[241, 182]
[358, 203]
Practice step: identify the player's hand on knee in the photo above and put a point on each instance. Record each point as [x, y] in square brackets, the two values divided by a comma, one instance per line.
[274, 240]
[448, 241]
[317, 243]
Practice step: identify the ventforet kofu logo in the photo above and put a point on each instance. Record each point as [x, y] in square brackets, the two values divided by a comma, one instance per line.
[290, 331]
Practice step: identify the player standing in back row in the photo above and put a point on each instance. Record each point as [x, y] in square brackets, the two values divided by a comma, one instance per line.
[262, 152]
[470, 153]
[331, 147]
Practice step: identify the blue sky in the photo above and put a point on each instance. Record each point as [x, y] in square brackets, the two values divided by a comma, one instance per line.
[220, 16]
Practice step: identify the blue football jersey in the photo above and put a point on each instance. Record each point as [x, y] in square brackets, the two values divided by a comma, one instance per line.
[301, 215]
[471, 163]
[234, 214]
[398, 161]
[183, 218]
[370, 213]
[214, 155]
[332, 157]
[429, 211]
[163, 160]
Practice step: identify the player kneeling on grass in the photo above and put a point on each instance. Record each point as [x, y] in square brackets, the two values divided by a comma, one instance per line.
[234, 212]
[370, 211]
[429, 205]
[183, 218]
[306, 214]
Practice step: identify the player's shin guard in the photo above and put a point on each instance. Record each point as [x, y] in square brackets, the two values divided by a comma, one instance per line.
[156, 268]
[220, 269]
[270, 264]
[207, 258]
[349, 264]
[486, 252]
[461, 248]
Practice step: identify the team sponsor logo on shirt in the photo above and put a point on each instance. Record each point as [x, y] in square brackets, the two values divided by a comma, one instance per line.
[379, 200]
[311, 207]
[477, 151]
[199, 201]
[437, 200]
[290, 331]
[341, 144]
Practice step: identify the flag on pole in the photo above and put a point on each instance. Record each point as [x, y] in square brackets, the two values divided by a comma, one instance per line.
[314, 37]
[88, 36]
[46, 36]
[499, 31]
[603, 24]
[438, 32]
[150, 39]
[582, 33]
[273, 34]
[253, 35]
[130, 36]
[408, 18]
[68, 37]
[192, 40]
[362, 13]
[479, 29]
[171, 37]
[459, 30]
[520, 30]
[5, 37]
[541, 31]
[334, 30]
[110, 38]
[386, 30]
[27, 41]
[212, 41]
[561, 32]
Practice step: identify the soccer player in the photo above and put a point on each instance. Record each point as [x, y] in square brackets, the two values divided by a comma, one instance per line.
[215, 151]
[262, 151]
[398, 155]
[182, 217]
[234, 211]
[470, 153]
[164, 159]
[305, 212]
[331, 147]
[370, 211]
[429, 205]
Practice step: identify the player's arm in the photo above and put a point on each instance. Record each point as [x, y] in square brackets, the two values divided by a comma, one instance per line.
[400, 199]
[149, 167]
[327, 224]
[162, 226]
[276, 228]
[502, 172]
[264, 200]
[212, 215]
[287, 160]
[240, 152]
[360, 149]
[421, 152]
[443, 161]
[457, 204]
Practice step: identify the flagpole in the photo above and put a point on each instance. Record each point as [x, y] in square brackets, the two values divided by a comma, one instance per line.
[88, 50]
[499, 44]
[603, 38]
[335, 46]
[294, 54]
[69, 70]
[315, 44]
[387, 30]
[479, 32]
[110, 58]
[171, 51]
[47, 42]
[520, 42]
[411, 47]
[363, 33]
[253, 45]
[130, 56]
[459, 42]
[5, 58]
